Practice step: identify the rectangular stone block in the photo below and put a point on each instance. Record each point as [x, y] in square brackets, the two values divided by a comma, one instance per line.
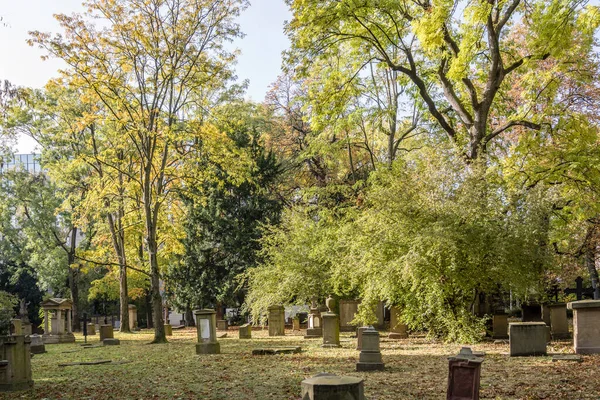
[245, 331]
[527, 338]
[106, 332]
[586, 326]
[276, 321]
[559, 325]
[500, 326]
[222, 325]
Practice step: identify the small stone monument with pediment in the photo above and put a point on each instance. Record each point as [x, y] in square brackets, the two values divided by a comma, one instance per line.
[57, 321]
[206, 326]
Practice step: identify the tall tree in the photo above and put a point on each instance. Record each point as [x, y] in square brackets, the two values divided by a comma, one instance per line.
[148, 67]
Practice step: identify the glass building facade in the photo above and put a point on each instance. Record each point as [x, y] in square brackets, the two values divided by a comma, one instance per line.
[27, 162]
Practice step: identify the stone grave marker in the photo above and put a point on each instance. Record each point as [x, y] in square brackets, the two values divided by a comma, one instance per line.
[15, 363]
[464, 374]
[527, 338]
[206, 329]
[331, 387]
[370, 356]
[276, 320]
[586, 326]
[245, 331]
[559, 325]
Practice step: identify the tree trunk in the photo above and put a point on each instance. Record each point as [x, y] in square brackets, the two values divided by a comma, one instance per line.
[124, 299]
[74, 281]
[149, 318]
[157, 303]
[189, 317]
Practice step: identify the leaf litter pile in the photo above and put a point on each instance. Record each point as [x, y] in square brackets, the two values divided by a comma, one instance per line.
[416, 368]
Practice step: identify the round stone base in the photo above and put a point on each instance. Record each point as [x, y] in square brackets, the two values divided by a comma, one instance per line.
[208, 348]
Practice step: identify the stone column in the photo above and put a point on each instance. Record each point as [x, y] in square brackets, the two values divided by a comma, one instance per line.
[586, 326]
[46, 322]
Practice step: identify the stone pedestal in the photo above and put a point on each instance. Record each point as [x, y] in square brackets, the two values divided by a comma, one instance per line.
[464, 372]
[245, 331]
[15, 363]
[168, 330]
[222, 325]
[91, 329]
[133, 320]
[276, 321]
[527, 338]
[500, 326]
[331, 330]
[314, 329]
[331, 387]
[559, 325]
[398, 330]
[37, 344]
[370, 356]
[206, 328]
[106, 332]
[586, 326]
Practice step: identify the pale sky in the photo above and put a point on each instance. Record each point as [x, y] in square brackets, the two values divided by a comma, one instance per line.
[260, 61]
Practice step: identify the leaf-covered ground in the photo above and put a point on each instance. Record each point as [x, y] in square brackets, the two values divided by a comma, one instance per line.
[415, 369]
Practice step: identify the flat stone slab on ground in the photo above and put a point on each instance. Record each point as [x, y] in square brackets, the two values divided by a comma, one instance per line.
[567, 357]
[276, 350]
[85, 363]
[70, 351]
[111, 342]
[221, 335]
[178, 327]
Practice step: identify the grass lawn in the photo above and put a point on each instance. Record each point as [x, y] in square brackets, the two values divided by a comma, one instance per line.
[415, 369]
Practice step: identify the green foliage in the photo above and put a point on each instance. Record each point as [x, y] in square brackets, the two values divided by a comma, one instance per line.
[7, 305]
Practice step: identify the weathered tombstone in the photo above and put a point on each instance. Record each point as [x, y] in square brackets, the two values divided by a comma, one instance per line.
[464, 373]
[106, 332]
[57, 321]
[206, 327]
[26, 324]
[133, 318]
[245, 331]
[331, 387]
[15, 363]
[296, 323]
[348, 309]
[545, 313]
[559, 325]
[531, 313]
[331, 330]
[276, 320]
[370, 356]
[111, 342]
[222, 325]
[37, 344]
[91, 329]
[398, 330]
[359, 333]
[527, 338]
[500, 326]
[586, 326]
[168, 330]
[314, 329]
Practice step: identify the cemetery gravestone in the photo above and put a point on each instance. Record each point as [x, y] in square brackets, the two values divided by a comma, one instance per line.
[106, 332]
[331, 330]
[531, 313]
[168, 330]
[348, 309]
[296, 323]
[15, 363]
[359, 333]
[222, 325]
[559, 325]
[133, 318]
[500, 326]
[398, 330]
[370, 356]
[527, 338]
[331, 387]
[37, 344]
[245, 331]
[464, 374]
[206, 328]
[586, 326]
[276, 320]
[91, 329]
[314, 329]
[57, 321]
